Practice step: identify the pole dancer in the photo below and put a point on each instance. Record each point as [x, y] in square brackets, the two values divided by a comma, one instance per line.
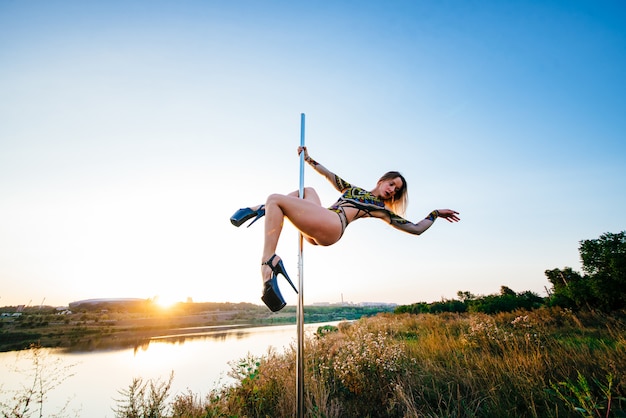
[325, 226]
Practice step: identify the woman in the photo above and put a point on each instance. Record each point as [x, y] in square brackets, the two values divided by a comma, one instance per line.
[325, 226]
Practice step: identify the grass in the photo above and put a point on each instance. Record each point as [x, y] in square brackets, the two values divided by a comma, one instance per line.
[544, 363]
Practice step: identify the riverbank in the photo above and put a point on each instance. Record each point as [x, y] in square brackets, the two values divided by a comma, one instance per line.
[102, 329]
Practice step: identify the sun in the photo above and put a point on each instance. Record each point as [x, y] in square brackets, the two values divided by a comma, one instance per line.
[164, 302]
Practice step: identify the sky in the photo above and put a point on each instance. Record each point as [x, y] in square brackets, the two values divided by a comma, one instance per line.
[130, 131]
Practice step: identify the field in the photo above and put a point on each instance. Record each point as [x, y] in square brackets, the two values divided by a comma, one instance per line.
[544, 363]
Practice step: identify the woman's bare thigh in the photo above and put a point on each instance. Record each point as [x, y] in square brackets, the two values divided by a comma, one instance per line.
[313, 220]
[309, 194]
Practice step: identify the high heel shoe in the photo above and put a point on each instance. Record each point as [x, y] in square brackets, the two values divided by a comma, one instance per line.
[272, 297]
[243, 214]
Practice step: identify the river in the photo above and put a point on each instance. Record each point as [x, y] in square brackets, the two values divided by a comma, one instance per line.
[200, 363]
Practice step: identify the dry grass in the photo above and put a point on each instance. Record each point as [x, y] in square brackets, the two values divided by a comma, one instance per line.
[546, 363]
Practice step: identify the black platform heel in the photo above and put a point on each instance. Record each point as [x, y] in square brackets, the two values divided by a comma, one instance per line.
[243, 214]
[272, 297]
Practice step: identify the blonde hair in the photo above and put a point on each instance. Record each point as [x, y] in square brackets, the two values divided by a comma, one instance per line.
[400, 200]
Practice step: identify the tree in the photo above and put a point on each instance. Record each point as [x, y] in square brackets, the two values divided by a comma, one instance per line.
[604, 261]
[465, 296]
[569, 289]
[603, 286]
[505, 290]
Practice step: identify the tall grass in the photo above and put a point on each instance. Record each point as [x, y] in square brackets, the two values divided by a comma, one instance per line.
[43, 376]
[545, 363]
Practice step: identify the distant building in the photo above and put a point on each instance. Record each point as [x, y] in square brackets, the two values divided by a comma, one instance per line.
[11, 314]
[381, 304]
[126, 304]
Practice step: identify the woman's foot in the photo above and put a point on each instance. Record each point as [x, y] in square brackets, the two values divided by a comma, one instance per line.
[275, 263]
[244, 214]
[270, 270]
[266, 273]
[272, 297]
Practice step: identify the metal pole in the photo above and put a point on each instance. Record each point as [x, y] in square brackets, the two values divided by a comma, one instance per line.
[300, 313]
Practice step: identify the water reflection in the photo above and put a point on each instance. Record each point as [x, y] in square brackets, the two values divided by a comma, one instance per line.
[141, 341]
[200, 362]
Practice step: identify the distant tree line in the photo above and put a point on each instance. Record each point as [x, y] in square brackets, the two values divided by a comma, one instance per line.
[506, 301]
[601, 286]
[143, 306]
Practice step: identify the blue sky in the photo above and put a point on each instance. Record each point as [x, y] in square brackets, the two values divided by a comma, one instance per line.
[131, 131]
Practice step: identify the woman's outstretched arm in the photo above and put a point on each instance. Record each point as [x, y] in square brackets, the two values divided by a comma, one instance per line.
[418, 228]
[340, 184]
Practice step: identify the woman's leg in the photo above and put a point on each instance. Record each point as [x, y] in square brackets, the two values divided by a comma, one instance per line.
[317, 223]
[309, 194]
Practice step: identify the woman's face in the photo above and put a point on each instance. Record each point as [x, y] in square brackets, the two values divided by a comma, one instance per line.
[387, 188]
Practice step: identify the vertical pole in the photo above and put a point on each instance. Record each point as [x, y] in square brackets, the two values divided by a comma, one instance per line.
[300, 313]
